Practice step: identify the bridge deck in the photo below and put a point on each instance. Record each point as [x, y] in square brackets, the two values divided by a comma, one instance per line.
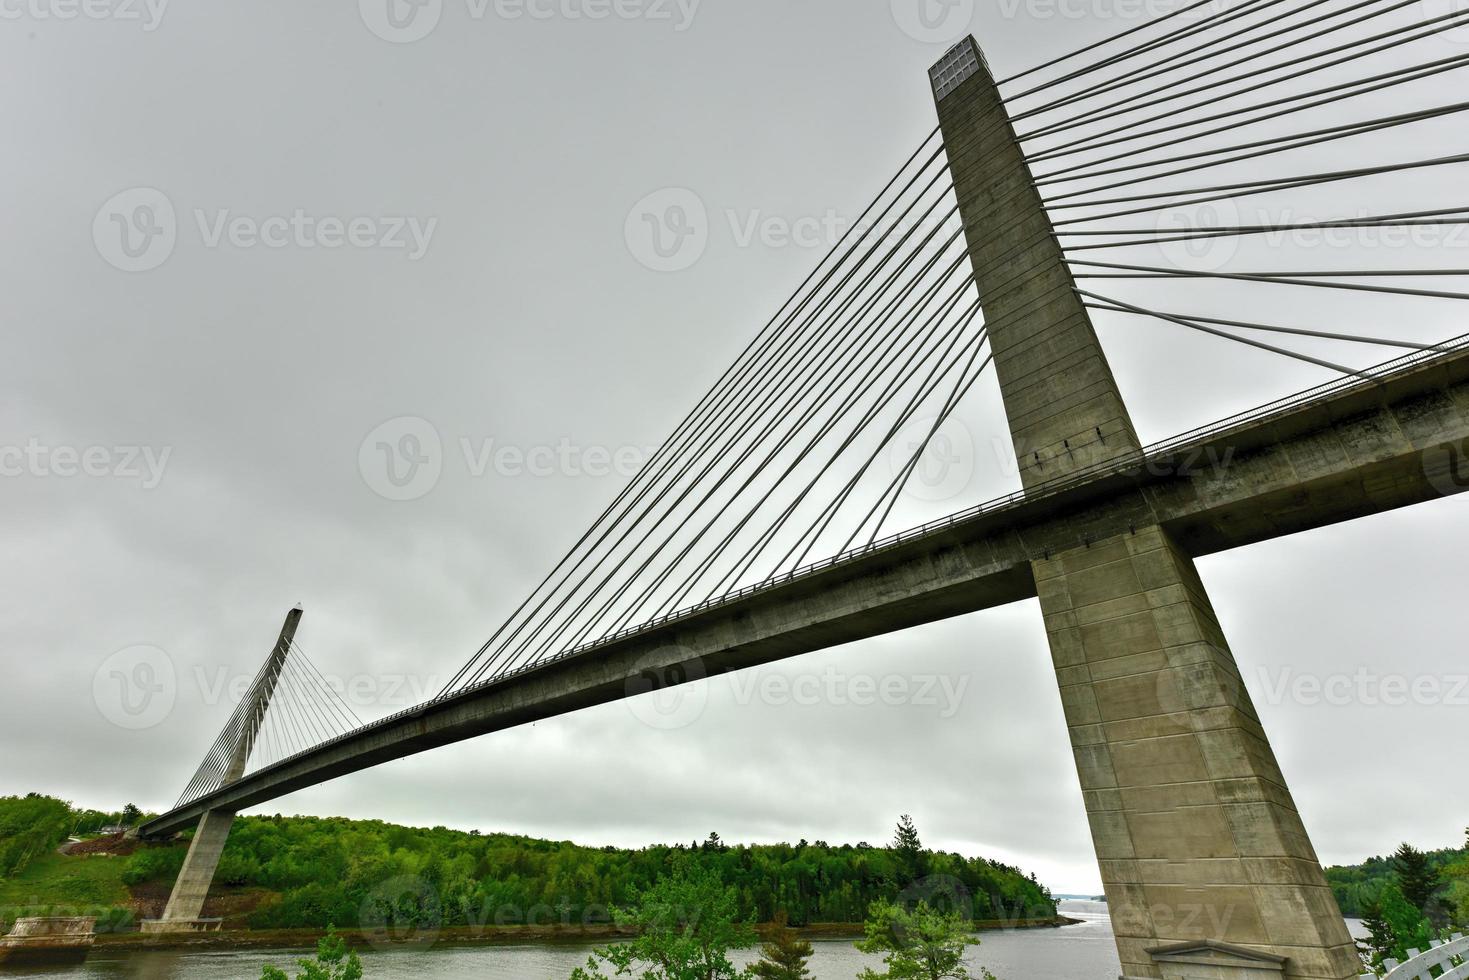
[1348, 449]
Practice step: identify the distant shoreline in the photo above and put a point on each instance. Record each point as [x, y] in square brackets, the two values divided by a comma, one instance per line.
[471, 936]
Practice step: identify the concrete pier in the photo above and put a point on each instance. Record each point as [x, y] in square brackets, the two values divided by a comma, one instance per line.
[1206, 863]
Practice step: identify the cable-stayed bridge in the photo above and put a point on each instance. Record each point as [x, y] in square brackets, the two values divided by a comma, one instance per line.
[763, 527]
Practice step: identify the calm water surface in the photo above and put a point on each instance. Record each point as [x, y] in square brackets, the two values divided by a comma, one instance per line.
[1082, 952]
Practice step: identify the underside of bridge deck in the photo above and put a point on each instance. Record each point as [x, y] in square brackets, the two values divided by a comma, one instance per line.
[1372, 448]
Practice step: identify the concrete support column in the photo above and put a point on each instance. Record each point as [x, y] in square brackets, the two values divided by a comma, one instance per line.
[1206, 864]
[1201, 849]
[186, 902]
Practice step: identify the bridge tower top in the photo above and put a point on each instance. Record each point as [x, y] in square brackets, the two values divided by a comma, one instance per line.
[1064, 408]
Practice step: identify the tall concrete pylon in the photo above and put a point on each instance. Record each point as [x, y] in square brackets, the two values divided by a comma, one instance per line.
[186, 902]
[1207, 866]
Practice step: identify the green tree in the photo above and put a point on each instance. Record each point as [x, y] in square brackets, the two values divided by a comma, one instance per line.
[1457, 874]
[1379, 943]
[334, 961]
[918, 944]
[1417, 879]
[686, 924]
[131, 815]
[784, 954]
[1406, 927]
[909, 851]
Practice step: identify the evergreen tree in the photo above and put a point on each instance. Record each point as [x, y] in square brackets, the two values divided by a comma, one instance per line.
[783, 955]
[909, 850]
[1380, 941]
[1417, 879]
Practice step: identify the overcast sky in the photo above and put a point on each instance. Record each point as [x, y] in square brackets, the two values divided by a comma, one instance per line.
[468, 181]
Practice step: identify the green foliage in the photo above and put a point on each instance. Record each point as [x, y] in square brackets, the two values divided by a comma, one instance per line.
[30, 825]
[147, 864]
[686, 924]
[332, 870]
[334, 961]
[1418, 880]
[1395, 926]
[1457, 873]
[909, 851]
[1358, 886]
[918, 943]
[314, 871]
[783, 955]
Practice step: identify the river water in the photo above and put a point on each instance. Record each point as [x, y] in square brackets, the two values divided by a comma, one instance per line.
[1080, 952]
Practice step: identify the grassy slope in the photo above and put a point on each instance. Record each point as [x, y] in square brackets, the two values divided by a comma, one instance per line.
[58, 880]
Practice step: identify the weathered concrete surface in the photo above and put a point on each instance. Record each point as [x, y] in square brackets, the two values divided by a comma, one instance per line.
[1196, 833]
[186, 902]
[1371, 449]
[1062, 403]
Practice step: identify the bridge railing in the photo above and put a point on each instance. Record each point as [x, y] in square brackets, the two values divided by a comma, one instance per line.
[1122, 464]
[1447, 957]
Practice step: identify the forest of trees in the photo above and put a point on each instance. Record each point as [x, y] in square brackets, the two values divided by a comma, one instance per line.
[319, 871]
[1358, 886]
